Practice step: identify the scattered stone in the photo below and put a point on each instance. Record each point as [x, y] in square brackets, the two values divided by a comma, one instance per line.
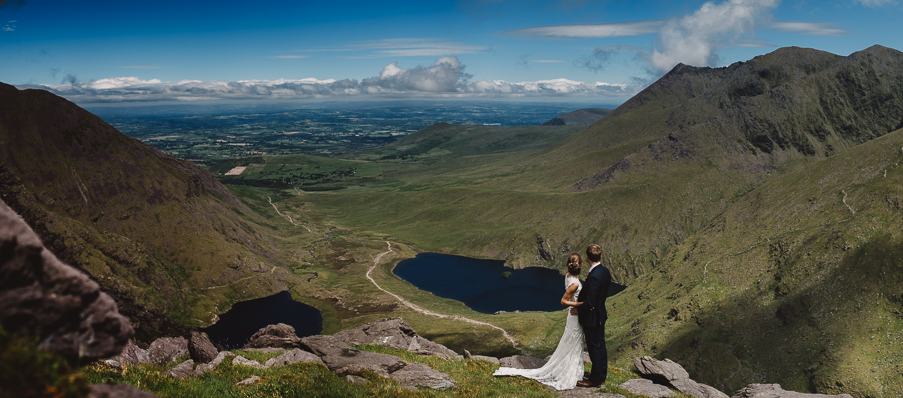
[293, 356]
[646, 387]
[248, 381]
[200, 348]
[206, 367]
[467, 354]
[43, 297]
[522, 362]
[356, 379]
[240, 360]
[487, 359]
[183, 369]
[117, 391]
[167, 349]
[580, 392]
[131, 355]
[397, 334]
[266, 349]
[499, 312]
[342, 359]
[668, 372]
[278, 336]
[419, 375]
[586, 357]
[775, 391]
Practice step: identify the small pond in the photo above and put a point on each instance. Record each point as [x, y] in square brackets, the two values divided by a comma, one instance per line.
[245, 318]
[487, 286]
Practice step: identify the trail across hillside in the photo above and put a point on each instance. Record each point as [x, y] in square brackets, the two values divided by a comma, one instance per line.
[428, 312]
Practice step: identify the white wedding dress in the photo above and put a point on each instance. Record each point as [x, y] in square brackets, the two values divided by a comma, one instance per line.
[565, 367]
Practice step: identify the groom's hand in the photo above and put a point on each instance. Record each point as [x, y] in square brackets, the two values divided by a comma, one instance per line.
[573, 310]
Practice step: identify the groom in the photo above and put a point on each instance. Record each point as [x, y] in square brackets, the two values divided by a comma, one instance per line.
[592, 316]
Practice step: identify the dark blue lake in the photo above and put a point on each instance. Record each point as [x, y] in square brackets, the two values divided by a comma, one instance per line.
[245, 318]
[479, 283]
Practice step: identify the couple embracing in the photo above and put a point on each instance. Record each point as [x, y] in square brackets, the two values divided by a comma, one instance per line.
[585, 320]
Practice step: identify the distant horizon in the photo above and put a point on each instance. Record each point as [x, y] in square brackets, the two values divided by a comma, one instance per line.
[561, 50]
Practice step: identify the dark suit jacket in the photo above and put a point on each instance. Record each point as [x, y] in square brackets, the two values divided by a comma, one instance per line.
[595, 290]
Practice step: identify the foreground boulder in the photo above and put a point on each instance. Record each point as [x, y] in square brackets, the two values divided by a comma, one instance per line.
[117, 391]
[278, 336]
[397, 334]
[775, 391]
[668, 372]
[647, 388]
[43, 297]
[201, 348]
[344, 360]
[167, 349]
[294, 356]
[131, 355]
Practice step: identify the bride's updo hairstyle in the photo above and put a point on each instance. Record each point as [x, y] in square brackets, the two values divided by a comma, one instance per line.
[574, 264]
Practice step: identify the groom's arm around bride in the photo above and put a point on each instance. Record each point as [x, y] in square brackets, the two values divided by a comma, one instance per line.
[592, 315]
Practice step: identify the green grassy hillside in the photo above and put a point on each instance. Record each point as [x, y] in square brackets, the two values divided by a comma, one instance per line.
[156, 232]
[798, 283]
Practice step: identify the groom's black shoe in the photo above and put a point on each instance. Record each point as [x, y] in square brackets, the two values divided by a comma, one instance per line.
[585, 375]
[588, 384]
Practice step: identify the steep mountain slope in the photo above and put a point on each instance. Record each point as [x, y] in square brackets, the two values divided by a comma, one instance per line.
[580, 117]
[156, 232]
[645, 177]
[799, 283]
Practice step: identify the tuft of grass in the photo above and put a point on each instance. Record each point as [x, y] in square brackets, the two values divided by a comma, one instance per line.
[27, 371]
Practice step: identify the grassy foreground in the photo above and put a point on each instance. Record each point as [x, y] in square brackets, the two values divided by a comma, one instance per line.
[473, 378]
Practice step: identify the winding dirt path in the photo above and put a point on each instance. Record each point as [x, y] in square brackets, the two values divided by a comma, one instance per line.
[428, 312]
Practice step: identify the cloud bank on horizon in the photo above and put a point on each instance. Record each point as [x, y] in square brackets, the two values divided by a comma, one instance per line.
[556, 61]
[445, 78]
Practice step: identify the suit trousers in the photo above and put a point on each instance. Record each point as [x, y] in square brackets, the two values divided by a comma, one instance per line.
[598, 354]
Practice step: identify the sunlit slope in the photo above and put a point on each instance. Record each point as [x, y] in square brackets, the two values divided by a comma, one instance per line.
[159, 234]
[799, 283]
[644, 177]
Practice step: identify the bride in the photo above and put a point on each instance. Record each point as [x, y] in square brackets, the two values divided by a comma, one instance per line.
[565, 366]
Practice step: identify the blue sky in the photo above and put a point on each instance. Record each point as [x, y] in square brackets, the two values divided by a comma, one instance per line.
[567, 50]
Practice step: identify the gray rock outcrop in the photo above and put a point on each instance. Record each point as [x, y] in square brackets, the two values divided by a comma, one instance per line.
[397, 334]
[646, 387]
[206, 367]
[277, 336]
[522, 362]
[668, 372]
[240, 360]
[344, 360]
[167, 349]
[419, 375]
[131, 355]
[775, 391]
[294, 356]
[117, 391]
[41, 296]
[468, 355]
[184, 369]
[200, 348]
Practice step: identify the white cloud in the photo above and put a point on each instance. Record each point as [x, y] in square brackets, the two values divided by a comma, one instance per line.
[878, 3]
[694, 38]
[444, 78]
[585, 31]
[809, 28]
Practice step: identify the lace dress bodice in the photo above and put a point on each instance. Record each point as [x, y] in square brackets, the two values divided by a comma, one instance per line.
[570, 280]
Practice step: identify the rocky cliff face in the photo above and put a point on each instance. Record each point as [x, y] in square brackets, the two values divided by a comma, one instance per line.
[149, 228]
[40, 296]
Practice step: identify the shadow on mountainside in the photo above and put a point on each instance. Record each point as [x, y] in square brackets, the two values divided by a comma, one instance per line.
[828, 327]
